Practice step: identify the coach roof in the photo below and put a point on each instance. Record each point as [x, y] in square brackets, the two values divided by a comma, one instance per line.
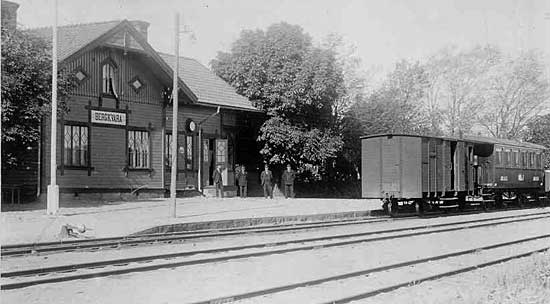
[468, 138]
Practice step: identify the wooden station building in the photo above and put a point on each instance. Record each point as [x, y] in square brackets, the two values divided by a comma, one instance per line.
[117, 135]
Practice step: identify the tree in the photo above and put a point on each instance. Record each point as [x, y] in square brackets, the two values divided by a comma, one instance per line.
[395, 107]
[456, 91]
[518, 90]
[295, 83]
[538, 132]
[26, 92]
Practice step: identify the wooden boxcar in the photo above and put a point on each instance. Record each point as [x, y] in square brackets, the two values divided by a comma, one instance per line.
[432, 171]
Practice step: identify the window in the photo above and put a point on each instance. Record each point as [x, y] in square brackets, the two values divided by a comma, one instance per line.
[538, 161]
[108, 79]
[76, 146]
[508, 158]
[499, 158]
[185, 161]
[523, 159]
[168, 150]
[531, 160]
[515, 159]
[138, 149]
[189, 152]
[221, 151]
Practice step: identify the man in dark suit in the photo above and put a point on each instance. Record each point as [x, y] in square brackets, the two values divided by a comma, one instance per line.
[218, 181]
[242, 178]
[267, 182]
[288, 181]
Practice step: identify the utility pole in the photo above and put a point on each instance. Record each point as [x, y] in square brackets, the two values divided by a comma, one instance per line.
[174, 172]
[53, 188]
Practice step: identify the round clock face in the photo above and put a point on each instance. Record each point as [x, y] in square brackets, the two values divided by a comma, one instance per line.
[192, 126]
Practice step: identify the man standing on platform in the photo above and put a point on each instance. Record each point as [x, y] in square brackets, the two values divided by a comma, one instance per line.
[267, 182]
[288, 181]
[242, 178]
[218, 180]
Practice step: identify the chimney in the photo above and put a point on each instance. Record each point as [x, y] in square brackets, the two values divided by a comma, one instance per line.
[141, 26]
[9, 15]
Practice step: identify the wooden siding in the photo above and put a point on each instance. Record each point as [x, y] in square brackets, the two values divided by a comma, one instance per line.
[128, 67]
[108, 146]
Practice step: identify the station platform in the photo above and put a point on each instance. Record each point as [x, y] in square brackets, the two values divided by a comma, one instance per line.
[30, 224]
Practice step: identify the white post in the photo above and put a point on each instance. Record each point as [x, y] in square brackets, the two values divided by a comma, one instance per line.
[199, 182]
[174, 173]
[53, 189]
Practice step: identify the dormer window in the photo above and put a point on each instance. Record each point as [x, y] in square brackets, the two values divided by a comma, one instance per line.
[109, 79]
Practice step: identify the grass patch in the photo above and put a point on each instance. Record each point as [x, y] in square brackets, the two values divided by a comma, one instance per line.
[524, 281]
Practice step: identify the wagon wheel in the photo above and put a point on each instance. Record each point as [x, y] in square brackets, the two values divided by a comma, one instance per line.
[521, 200]
[392, 208]
[385, 206]
[419, 207]
[484, 205]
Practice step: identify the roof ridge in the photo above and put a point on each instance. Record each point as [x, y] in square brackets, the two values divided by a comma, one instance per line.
[172, 55]
[76, 24]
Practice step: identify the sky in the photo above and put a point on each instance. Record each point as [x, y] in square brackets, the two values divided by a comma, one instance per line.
[383, 31]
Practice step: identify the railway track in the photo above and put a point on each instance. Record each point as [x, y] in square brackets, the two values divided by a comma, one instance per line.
[341, 278]
[95, 244]
[171, 237]
[30, 277]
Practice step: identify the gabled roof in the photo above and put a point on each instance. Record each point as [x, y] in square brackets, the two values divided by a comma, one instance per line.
[199, 83]
[209, 88]
[72, 38]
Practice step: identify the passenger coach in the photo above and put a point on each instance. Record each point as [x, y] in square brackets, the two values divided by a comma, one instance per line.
[430, 172]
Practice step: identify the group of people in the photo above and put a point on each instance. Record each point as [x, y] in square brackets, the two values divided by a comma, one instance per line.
[266, 179]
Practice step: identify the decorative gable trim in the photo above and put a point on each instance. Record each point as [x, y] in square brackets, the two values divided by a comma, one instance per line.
[136, 84]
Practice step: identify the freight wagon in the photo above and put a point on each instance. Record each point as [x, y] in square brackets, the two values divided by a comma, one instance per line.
[428, 172]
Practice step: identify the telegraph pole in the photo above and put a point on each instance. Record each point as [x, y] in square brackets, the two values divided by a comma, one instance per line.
[174, 172]
[53, 188]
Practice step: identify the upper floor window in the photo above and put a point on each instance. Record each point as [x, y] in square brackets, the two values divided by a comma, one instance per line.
[108, 82]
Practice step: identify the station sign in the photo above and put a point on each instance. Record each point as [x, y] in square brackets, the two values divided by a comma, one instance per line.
[109, 118]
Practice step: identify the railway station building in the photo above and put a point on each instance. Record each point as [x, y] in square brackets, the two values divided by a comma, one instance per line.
[117, 135]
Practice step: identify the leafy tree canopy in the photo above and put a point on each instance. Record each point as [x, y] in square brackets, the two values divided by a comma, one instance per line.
[26, 92]
[538, 131]
[295, 83]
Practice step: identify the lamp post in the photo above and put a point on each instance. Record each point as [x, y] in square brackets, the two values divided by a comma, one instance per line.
[174, 172]
[53, 188]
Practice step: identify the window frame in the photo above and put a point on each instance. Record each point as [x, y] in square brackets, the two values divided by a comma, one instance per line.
[183, 164]
[105, 90]
[499, 158]
[72, 165]
[129, 155]
[508, 158]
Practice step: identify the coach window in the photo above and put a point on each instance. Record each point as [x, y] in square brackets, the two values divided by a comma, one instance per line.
[516, 159]
[531, 159]
[508, 160]
[499, 157]
[138, 149]
[523, 163]
[538, 161]
[75, 146]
